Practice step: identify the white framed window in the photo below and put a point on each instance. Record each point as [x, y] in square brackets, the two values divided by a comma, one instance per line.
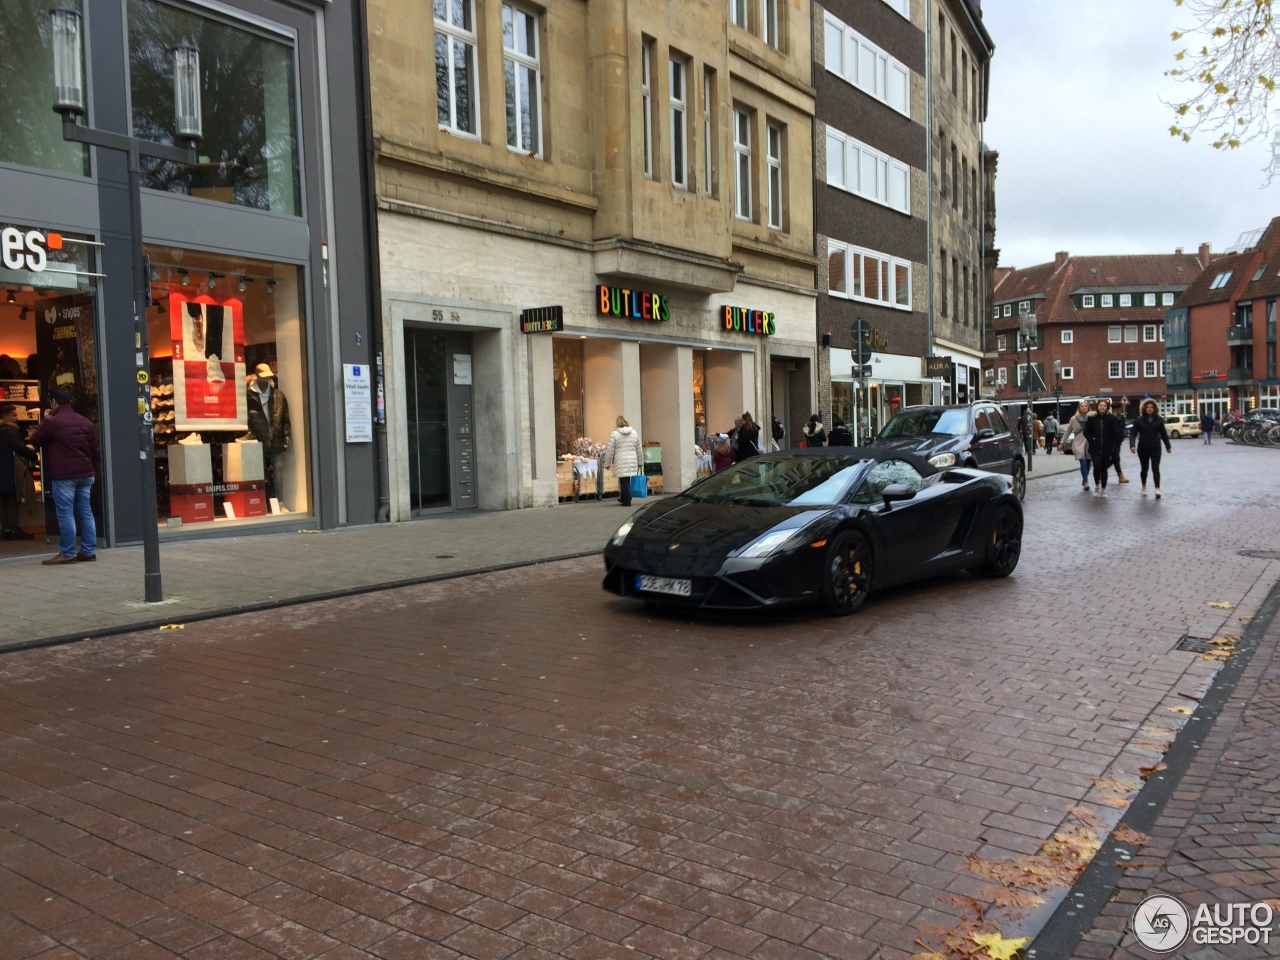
[866, 172]
[1149, 332]
[1148, 299]
[1164, 368]
[1149, 368]
[769, 22]
[1130, 333]
[1068, 373]
[708, 165]
[995, 312]
[679, 113]
[738, 13]
[1160, 332]
[1166, 299]
[1221, 279]
[1131, 369]
[523, 76]
[1008, 309]
[742, 164]
[1108, 300]
[855, 59]
[1086, 300]
[1113, 369]
[1002, 343]
[902, 6]
[646, 104]
[1068, 336]
[1002, 375]
[1126, 300]
[773, 157]
[457, 80]
[1113, 333]
[1026, 306]
[868, 275]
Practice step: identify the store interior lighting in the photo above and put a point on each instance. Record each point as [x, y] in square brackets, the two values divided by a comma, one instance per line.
[240, 285]
[186, 280]
[12, 298]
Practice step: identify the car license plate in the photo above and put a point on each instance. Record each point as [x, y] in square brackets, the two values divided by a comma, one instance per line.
[679, 588]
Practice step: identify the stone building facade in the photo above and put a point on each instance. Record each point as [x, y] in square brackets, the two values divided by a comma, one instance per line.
[639, 167]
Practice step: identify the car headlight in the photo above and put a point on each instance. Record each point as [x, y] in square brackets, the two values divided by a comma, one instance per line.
[767, 544]
[621, 533]
[943, 460]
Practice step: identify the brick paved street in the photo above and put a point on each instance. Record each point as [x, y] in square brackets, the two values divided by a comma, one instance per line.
[518, 765]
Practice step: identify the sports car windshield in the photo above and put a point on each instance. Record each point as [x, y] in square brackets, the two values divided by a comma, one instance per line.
[790, 481]
[917, 423]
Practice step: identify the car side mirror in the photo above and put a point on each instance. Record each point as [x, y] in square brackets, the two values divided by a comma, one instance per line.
[986, 433]
[895, 492]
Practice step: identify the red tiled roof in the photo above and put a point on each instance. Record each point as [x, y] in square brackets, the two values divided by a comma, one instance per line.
[1242, 266]
[1268, 256]
[1056, 282]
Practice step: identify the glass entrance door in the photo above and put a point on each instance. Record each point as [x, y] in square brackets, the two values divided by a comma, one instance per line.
[427, 416]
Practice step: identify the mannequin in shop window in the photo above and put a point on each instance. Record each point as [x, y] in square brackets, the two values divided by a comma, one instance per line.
[269, 424]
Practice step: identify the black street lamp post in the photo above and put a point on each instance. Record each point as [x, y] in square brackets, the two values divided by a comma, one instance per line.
[1027, 336]
[69, 100]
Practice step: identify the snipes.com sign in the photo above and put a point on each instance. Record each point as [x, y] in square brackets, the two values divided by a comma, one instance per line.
[1162, 923]
[27, 249]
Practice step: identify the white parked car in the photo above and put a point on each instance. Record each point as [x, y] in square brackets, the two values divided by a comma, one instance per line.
[1182, 425]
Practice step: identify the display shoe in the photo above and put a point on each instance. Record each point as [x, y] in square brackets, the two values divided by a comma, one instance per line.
[57, 559]
[215, 374]
[86, 557]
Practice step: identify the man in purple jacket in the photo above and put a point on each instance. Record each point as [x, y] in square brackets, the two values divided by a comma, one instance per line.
[70, 445]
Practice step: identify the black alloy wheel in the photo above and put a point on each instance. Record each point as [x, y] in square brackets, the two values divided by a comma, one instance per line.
[1004, 545]
[1019, 480]
[848, 580]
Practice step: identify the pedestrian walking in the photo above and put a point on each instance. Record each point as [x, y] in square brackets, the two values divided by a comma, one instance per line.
[1105, 433]
[1037, 431]
[1115, 453]
[748, 443]
[1075, 442]
[1147, 435]
[722, 455]
[815, 435]
[1050, 433]
[625, 454]
[70, 444]
[1206, 425]
[840, 435]
[12, 445]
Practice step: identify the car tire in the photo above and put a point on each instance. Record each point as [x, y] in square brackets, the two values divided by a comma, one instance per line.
[846, 582]
[1176, 435]
[1003, 543]
[1019, 480]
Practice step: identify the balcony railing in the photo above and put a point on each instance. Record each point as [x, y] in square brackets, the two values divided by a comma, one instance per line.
[1239, 377]
[1239, 335]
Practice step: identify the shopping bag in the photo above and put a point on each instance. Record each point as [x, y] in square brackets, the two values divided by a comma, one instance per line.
[639, 486]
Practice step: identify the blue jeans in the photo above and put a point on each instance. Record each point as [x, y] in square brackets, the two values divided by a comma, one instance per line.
[1084, 470]
[71, 502]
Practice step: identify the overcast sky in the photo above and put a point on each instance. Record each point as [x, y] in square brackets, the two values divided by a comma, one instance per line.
[1087, 164]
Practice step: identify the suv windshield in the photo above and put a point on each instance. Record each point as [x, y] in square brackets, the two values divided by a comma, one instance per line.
[914, 423]
[781, 480]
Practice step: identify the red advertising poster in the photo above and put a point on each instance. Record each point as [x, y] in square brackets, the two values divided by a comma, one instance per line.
[208, 362]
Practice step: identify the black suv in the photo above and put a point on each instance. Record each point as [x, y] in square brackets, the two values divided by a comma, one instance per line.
[965, 435]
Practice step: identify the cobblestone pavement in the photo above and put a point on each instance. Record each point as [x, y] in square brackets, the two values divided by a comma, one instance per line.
[1217, 840]
[516, 765]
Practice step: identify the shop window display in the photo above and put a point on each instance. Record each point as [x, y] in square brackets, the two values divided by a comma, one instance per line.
[228, 388]
[30, 132]
[249, 154]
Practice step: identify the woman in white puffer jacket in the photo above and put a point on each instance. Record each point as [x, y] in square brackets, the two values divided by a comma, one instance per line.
[626, 455]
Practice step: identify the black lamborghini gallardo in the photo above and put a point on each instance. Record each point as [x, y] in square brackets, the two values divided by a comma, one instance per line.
[821, 527]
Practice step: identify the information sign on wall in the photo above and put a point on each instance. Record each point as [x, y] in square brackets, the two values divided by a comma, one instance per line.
[542, 320]
[357, 391]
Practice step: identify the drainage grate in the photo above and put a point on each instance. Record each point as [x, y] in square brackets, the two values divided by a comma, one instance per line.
[1193, 644]
[1261, 554]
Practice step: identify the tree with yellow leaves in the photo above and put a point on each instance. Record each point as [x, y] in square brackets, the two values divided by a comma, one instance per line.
[1231, 75]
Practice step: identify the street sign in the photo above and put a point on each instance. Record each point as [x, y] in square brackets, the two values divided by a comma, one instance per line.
[860, 331]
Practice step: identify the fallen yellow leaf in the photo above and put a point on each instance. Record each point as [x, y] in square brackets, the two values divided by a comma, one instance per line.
[1154, 768]
[173, 626]
[1124, 834]
[928, 956]
[997, 947]
[1221, 604]
[1111, 800]
[1182, 710]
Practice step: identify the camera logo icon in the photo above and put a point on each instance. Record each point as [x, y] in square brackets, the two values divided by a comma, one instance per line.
[1161, 923]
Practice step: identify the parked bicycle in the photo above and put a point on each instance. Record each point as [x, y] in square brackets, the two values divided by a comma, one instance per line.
[1257, 428]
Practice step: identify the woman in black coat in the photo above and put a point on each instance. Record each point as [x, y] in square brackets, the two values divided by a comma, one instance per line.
[1148, 434]
[1105, 433]
[747, 443]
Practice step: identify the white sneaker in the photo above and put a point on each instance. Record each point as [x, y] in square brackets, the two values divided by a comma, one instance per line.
[1102, 492]
[1144, 491]
[214, 372]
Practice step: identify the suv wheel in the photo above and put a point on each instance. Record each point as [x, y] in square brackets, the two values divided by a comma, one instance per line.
[1020, 479]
